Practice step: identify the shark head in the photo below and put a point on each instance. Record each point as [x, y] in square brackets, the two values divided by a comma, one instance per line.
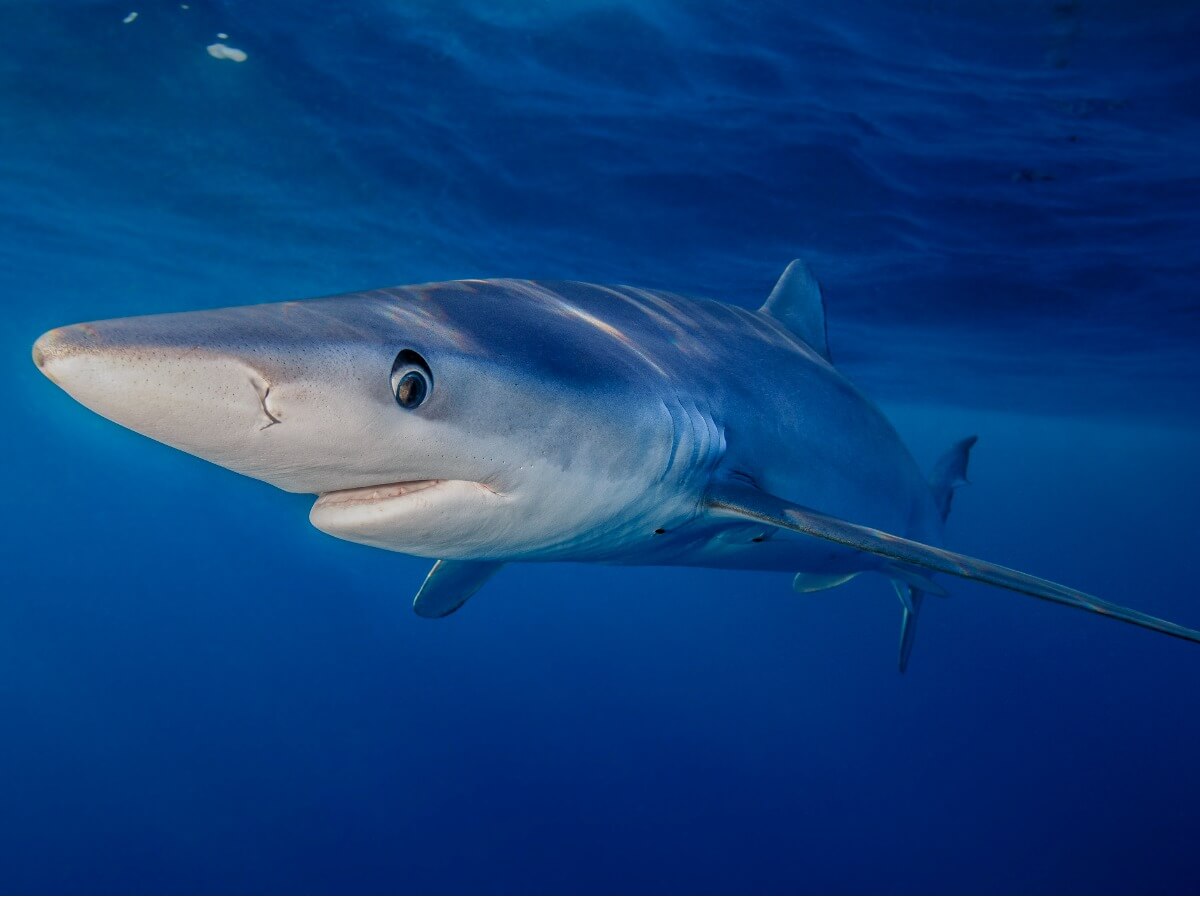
[461, 421]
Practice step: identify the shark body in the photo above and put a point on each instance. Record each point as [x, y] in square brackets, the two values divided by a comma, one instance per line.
[486, 422]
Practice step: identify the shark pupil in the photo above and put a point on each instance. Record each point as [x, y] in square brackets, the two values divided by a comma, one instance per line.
[411, 390]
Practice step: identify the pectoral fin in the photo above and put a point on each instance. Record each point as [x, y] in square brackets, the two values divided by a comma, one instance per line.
[809, 583]
[450, 584]
[749, 503]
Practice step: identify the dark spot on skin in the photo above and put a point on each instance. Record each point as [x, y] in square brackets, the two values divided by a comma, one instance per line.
[660, 531]
[757, 540]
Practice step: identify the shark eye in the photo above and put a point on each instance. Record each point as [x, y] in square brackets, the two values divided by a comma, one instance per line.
[411, 381]
[411, 389]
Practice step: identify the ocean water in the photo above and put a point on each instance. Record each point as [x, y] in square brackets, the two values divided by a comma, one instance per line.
[200, 693]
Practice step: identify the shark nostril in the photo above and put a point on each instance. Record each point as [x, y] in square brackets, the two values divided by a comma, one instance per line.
[43, 349]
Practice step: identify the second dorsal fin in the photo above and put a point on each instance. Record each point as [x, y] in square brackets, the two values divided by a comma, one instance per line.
[796, 303]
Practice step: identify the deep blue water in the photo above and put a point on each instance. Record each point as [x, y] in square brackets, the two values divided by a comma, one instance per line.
[1002, 199]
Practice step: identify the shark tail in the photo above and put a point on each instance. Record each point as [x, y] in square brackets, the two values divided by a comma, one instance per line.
[949, 473]
[905, 557]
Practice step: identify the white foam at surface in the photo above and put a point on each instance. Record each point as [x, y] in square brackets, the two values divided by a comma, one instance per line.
[220, 51]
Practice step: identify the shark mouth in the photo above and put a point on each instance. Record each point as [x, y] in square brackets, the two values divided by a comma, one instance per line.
[374, 494]
[423, 518]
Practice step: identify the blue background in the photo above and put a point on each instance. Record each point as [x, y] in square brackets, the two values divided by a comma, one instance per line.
[198, 692]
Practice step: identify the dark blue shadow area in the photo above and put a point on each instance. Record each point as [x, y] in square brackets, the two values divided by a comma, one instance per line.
[200, 693]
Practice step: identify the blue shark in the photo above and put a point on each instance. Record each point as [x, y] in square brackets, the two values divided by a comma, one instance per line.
[486, 422]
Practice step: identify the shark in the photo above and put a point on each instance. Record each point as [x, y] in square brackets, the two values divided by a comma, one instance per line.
[480, 423]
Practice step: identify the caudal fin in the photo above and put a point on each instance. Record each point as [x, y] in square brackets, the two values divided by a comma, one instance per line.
[748, 503]
[950, 472]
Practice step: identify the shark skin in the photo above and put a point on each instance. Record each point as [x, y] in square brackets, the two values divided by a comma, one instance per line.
[492, 421]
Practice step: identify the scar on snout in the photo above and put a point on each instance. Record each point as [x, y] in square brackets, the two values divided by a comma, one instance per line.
[264, 391]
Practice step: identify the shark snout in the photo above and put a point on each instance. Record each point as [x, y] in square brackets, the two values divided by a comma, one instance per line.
[239, 388]
[43, 347]
[58, 344]
[207, 401]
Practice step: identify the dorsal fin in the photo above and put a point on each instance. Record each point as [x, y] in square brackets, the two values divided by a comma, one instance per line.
[796, 302]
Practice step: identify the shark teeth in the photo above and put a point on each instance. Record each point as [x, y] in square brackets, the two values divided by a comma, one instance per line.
[375, 493]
